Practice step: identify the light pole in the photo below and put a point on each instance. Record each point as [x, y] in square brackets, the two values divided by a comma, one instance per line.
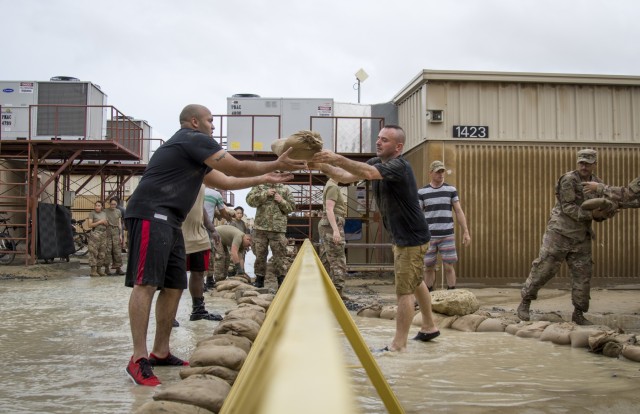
[361, 76]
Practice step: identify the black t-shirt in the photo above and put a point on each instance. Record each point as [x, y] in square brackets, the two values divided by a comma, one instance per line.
[397, 198]
[171, 181]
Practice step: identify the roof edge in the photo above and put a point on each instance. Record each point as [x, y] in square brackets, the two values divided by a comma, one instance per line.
[427, 75]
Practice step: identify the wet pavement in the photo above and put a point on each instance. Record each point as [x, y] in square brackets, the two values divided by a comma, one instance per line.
[65, 343]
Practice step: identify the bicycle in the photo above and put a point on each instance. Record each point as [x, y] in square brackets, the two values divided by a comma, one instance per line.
[80, 237]
[8, 244]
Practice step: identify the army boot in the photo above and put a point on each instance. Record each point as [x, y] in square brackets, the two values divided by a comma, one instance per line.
[210, 282]
[579, 318]
[107, 272]
[119, 271]
[94, 272]
[280, 280]
[100, 271]
[523, 310]
[259, 283]
[199, 312]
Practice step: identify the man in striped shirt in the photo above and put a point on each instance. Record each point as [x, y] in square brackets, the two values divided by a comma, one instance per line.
[438, 201]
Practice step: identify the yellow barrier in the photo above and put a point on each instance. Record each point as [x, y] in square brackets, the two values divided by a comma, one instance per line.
[296, 365]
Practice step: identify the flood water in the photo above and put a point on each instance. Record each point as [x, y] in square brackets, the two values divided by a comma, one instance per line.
[65, 344]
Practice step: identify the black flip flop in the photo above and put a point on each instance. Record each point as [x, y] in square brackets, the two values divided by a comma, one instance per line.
[426, 337]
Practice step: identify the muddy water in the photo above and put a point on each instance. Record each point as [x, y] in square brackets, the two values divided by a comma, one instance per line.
[65, 343]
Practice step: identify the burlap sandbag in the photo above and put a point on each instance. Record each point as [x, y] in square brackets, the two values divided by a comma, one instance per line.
[304, 143]
[170, 407]
[252, 306]
[389, 312]
[255, 301]
[598, 203]
[558, 333]
[227, 284]
[241, 327]
[204, 391]
[441, 321]
[468, 323]
[228, 294]
[532, 330]
[228, 356]
[492, 325]
[370, 311]
[246, 313]
[612, 349]
[252, 293]
[227, 340]
[244, 278]
[267, 296]
[580, 336]
[514, 327]
[631, 352]
[229, 375]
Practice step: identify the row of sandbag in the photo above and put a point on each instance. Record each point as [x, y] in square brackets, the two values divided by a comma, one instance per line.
[216, 360]
[598, 339]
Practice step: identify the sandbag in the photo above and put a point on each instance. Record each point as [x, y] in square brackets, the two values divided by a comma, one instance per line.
[514, 327]
[204, 391]
[228, 356]
[255, 301]
[598, 203]
[227, 340]
[580, 336]
[389, 312]
[631, 352]
[370, 311]
[532, 330]
[468, 323]
[241, 327]
[227, 284]
[305, 144]
[492, 325]
[252, 306]
[246, 313]
[229, 375]
[612, 349]
[558, 333]
[170, 407]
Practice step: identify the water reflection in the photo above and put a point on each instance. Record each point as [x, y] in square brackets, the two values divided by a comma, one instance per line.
[65, 344]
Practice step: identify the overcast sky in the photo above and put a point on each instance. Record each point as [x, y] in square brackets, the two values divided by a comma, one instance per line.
[152, 57]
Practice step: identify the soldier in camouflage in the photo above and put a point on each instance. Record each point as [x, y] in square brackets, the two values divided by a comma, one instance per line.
[568, 238]
[230, 250]
[273, 203]
[625, 197]
[98, 223]
[331, 235]
[114, 238]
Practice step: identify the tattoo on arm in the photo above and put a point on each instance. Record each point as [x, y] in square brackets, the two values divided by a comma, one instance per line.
[221, 157]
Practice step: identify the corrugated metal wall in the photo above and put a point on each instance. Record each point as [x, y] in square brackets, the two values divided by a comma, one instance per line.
[525, 111]
[507, 192]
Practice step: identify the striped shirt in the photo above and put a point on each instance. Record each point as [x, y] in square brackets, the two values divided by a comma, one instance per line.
[437, 206]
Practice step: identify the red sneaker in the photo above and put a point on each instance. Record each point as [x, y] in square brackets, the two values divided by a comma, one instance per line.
[169, 360]
[141, 373]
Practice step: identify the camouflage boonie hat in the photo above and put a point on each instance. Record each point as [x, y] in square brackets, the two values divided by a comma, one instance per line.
[437, 166]
[587, 155]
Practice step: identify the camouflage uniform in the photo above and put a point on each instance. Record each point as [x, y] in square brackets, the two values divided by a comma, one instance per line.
[270, 227]
[113, 248]
[332, 254]
[626, 197]
[292, 251]
[567, 238]
[97, 241]
[229, 236]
